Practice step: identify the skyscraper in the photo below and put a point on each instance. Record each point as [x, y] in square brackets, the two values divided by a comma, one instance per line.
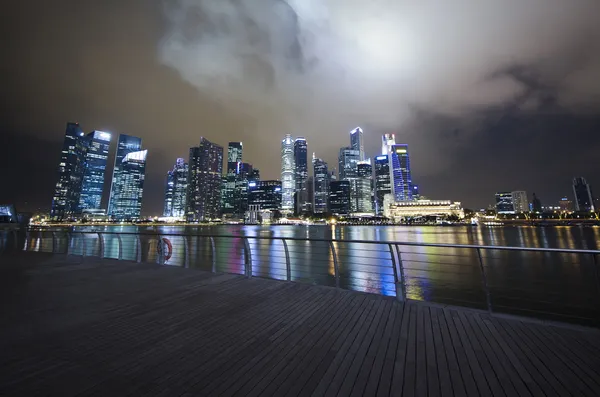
[70, 174]
[383, 183]
[243, 174]
[400, 172]
[347, 163]
[288, 173]
[301, 163]
[387, 140]
[125, 145]
[176, 189]
[234, 158]
[98, 144]
[266, 195]
[363, 186]
[504, 203]
[126, 197]
[321, 186]
[357, 142]
[584, 201]
[520, 201]
[339, 197]
[204, 189]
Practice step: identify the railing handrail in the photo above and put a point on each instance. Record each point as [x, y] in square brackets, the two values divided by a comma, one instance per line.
[325, 240]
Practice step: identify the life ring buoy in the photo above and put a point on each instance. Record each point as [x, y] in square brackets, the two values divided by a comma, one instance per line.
[168, 252]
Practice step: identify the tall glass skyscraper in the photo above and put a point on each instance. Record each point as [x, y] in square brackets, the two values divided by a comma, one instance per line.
[387, 140]
[126, 190]
[383, 183]
[301, 162]
[176, 190]
[204, 190]
[234, 158]
[357, 142]
[321, 186]
[347, 162]
[288, 173]
[339, 197]
[400, 172]
[362, 192]
[70, 174]
[98, 144]
[265, 195]
[584, 201]
[234, 155]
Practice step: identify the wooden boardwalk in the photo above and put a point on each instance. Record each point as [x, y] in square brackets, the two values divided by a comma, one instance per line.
[117, 328]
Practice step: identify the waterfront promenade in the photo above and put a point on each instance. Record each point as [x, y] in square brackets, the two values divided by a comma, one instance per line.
[72, 326]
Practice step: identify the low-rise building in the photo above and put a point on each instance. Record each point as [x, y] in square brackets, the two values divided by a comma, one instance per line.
[399, 210]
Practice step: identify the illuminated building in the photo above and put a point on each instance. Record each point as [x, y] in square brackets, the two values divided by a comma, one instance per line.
[240, 197]
[176, 190]
[339, 197]
[67, 190]
[302, 204]
[128, 187]
[288, 173]
[357, 142]
[321, 185]
[264, 195]
[584, 201]
[536, 204]
[204, 189]
[383, 183]
[520, 201]
[234, 158]
[565, 204]
[400, 172]
[98, 144]
[387, 140]
[415, 192]
[361, 192]
[347, 162]
[399, 210]
[125, 145]
[504, 203]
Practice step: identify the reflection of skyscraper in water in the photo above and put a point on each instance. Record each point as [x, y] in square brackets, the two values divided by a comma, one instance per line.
[128, 179]
[400, 172]
[288, 173]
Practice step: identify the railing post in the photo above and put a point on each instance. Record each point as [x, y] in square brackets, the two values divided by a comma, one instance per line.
[247, 257]
[400, 272]
[213, 254]
[160, 250]
[186, 248]
[101, 242]
[597, 272]
[120, 254]
[336, 267]
[397, 281]
[288, 267]
[138, 248]
[484, 281]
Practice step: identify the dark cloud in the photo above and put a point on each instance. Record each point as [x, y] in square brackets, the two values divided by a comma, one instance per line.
[490, 95]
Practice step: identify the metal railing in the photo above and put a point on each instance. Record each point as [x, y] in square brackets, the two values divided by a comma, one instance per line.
[562, 284]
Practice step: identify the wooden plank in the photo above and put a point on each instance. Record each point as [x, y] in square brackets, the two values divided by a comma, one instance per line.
[444, 358]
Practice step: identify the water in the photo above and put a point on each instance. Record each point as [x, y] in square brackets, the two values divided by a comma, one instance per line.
[551, 285]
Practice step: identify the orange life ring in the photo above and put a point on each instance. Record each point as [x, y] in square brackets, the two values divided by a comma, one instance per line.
[169, 251]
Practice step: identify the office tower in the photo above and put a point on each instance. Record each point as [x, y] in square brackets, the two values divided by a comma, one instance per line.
[387, 141]
[265, 195]
[400, 172]
[176, 189]
[383, 184]
[128, 186]
[339, 197]
[288, 173]
[363, 186]
[234, 156]
[240, 197]
[310, 188]
[204, 188]
[536, 204]
[520, 201]
[125, 145]
[357, 142]
[347, 163]
[70, 174]
[98, 144]
[584, 201]
[504, 203]
[565, 204]
[301, 163]
[321, 186]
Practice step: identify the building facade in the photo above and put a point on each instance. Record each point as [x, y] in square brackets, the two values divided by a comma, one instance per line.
[264, 195]
[400, 172]
[176, 190]
[288, 174]
[129, 187]
[383, 183]
[400, 210]
[347, 163]
[204, 189]
[230, 180]
[67, 191]
[504, 203]
[339, 197]
[520, 201]
[387, 141]
[321, 186]
[125, 145]
[584, 201]
[357, 142]
[363, 188]
[302, 205]
[98, 144]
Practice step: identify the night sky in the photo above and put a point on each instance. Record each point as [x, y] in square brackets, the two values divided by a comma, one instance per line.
[489, 95]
